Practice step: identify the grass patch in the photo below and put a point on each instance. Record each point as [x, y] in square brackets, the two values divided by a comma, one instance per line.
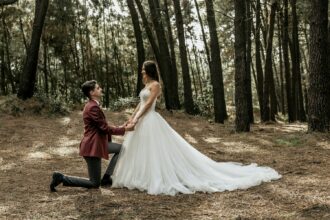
[291, 141]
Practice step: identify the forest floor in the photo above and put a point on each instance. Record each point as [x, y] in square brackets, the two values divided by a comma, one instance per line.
[32, 147]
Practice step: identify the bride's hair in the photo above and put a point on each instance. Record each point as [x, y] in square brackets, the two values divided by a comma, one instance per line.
[151, 69]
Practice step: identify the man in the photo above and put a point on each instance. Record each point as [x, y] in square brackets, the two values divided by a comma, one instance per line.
[96, 143]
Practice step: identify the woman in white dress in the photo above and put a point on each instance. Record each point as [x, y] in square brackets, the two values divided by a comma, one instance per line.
[156, 159]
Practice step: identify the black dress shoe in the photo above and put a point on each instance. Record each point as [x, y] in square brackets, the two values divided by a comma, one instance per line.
[57, 179]
[106, 181]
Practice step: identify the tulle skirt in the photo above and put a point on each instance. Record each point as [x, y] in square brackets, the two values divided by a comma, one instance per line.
[156, 159]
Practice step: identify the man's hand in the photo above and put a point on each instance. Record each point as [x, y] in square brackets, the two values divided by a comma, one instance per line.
[129, 127]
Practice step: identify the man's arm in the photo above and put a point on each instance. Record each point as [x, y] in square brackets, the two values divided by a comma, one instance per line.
[97, 116]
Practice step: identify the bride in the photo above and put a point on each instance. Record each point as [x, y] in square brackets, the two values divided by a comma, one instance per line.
[155, 158]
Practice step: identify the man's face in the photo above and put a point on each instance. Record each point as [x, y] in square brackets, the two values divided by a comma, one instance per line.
[97, 92]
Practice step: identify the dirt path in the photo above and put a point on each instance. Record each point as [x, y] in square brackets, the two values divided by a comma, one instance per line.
[32, 147]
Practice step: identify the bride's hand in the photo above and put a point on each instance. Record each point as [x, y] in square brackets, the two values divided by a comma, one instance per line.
[134, 121]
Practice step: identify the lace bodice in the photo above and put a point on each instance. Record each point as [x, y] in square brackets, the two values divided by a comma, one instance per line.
[144, 95]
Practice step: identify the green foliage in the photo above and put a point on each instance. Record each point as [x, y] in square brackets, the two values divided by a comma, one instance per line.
[54, 106]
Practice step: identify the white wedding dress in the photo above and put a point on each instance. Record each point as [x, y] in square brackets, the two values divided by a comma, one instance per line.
[155, 158]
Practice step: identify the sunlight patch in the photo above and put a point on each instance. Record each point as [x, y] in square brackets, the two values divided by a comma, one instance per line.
[65, 120]
[212, 140]
[197, 129]
[4, 209]
[38, 155]
[65, 151]
[293, 128]
[37, 144]
[7, 166]
[323, 144]
[190, 139]
[66, 142]
[238, 147]
[107, 192]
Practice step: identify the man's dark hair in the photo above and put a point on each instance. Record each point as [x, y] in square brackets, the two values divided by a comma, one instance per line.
[88, 86]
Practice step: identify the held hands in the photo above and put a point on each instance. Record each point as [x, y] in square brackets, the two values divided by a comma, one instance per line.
[129, 127]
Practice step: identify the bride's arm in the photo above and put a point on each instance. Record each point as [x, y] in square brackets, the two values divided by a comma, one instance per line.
[134, 113]
[154, 93]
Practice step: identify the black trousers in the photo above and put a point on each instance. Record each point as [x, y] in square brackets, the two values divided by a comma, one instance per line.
[94, 169]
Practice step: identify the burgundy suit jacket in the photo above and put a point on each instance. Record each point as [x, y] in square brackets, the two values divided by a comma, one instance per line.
[97, 132]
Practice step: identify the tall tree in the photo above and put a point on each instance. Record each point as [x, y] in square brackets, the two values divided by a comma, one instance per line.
[268, 81]
[139, 43]
[287, 72]
[242, 121]
[297, 96]
[203, 34]
[170, 37]
[260, 75]
[220, 111]
[171, 81]
[28, 77]
[319, 73]
[248, 29]
[188, 100]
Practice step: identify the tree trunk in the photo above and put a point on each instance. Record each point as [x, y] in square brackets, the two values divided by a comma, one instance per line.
[280, 37]
[268, 81]
[45, 69]
[188, 100]
[220, 111]
[7, 51]
[242, 121]
[260, 75]
[170, 38]
[28, 77]
[297, 96]
[249, 59]
[319, 83]
[203, 34]
[2, 70]
[156, 51]
[198, 71]
[165, 58]
[287, 72]
[139, 44]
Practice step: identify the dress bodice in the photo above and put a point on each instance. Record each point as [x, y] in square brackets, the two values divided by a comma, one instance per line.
[144, 95]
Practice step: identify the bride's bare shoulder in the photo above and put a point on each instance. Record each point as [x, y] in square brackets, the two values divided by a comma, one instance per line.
[155, 85]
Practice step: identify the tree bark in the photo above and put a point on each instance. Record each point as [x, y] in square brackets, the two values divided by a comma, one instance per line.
[319, 73]
[242, 121]
[268, 81]
[170, 38]
[259, 70]
[188, 100]
[160, 60]
[287, 72]
[28, 77]
[297, 96]
[172, 77]
[280, 37]
[203, 35]
[248, 29]
[139, 44]
[220, 111]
